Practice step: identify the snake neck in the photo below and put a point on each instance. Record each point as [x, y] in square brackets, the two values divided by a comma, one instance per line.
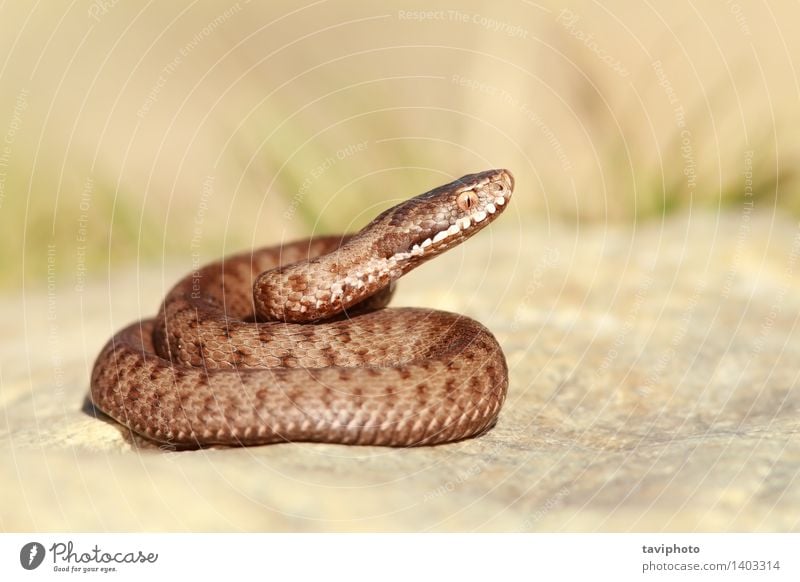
[328, 285]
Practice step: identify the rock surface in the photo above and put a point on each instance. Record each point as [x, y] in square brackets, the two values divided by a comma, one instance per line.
[655, 386]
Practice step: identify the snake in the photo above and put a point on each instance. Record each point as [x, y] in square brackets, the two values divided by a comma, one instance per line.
[295, 342]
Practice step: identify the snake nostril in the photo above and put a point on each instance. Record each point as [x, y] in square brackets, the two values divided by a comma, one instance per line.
[509, 179]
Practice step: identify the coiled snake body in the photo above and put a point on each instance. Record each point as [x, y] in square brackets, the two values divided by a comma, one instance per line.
[291, 343]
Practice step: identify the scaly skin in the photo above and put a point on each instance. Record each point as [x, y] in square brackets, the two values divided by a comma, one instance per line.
[291, 343]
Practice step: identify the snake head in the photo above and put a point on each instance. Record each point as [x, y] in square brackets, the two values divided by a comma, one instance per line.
[431, 223]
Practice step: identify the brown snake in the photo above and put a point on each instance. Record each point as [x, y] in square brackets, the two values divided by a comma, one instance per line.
[291, 343]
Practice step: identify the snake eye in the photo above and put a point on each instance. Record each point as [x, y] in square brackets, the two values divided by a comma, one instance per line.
[467, 200]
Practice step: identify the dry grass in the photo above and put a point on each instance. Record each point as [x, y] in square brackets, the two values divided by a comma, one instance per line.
[199, 129]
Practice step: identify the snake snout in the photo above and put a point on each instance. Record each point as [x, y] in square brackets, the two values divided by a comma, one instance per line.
[508, 178]
[502, 183]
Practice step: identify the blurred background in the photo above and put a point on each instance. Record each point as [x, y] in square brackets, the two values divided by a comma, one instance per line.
[643, 283]
[132, 132]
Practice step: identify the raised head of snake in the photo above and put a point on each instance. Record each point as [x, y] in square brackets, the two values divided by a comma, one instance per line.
[398, 240]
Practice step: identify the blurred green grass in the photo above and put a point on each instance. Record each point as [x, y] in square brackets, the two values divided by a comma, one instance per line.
[268, 103]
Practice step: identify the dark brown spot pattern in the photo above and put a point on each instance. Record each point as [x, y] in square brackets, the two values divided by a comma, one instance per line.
[292, 343]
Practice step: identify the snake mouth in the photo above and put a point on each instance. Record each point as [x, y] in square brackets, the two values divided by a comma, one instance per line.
[462, 226]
